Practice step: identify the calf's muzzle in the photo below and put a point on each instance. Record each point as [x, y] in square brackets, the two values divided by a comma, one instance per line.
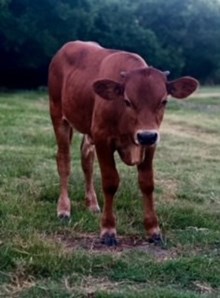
[147, 138]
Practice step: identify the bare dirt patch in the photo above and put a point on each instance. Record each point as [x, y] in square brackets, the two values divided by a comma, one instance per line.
[92, 244]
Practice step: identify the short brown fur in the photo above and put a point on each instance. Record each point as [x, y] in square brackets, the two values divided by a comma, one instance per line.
[118, 102]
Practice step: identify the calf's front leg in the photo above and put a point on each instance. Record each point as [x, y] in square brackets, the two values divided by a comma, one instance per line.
[146, 183]
[110, 183]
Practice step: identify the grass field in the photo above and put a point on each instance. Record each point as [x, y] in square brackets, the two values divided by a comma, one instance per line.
[43, 257]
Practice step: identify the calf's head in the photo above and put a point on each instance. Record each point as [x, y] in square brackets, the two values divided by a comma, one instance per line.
[143, 95]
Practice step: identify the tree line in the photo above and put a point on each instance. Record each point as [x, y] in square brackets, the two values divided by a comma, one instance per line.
[180, 36]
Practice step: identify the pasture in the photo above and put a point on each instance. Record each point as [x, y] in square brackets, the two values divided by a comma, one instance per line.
[41, 256]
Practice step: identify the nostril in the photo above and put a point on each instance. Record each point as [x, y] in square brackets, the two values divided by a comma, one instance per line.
[147, 138]
[139, 136]
[154, 136]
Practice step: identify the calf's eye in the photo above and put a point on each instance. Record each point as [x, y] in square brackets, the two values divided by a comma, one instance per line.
[164, 102]
[127, 102]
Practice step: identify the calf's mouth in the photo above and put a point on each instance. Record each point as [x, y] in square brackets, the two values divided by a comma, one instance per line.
[132, 154]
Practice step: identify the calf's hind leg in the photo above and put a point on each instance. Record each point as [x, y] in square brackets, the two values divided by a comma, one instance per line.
[63, 132]
[87, 161]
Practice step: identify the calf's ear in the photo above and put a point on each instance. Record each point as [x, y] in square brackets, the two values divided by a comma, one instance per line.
[182, 87]
[108, 89]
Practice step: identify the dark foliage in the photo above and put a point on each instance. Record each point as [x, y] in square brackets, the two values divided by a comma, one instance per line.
[182, 36]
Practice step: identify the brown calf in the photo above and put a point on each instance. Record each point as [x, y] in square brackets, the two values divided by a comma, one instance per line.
[118, 103]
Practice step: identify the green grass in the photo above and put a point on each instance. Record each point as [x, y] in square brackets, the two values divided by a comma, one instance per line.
[42, 257]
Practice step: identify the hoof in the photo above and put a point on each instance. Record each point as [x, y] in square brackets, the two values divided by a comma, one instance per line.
[63, 215]
[94, 209]
[157, 240]
[92, 203]
[109, 240]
